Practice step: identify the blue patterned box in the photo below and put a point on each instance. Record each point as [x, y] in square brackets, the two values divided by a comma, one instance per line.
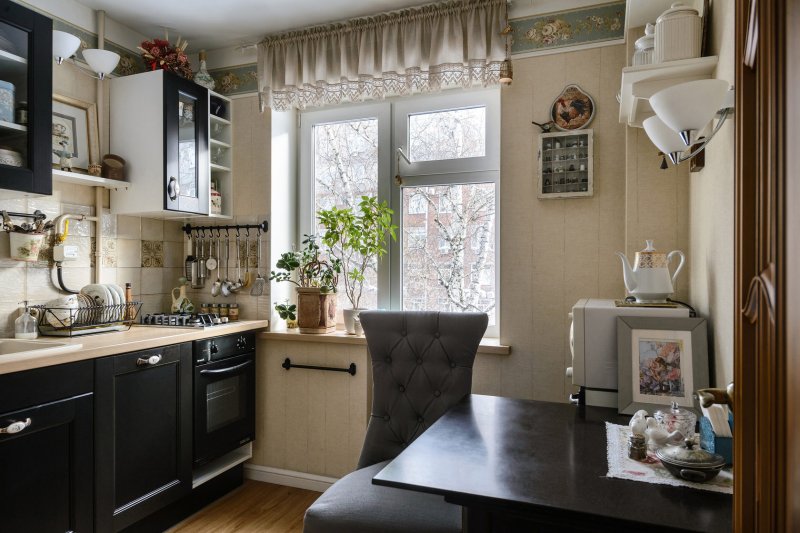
[709, 440]
[6, 101]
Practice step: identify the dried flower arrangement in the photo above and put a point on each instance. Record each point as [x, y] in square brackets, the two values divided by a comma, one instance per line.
[159, 53]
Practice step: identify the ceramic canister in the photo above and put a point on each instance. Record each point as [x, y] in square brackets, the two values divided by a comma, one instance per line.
[679, 34]
[6, 101]
[644, 47]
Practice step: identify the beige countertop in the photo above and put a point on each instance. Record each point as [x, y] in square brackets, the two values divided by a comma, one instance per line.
[137, 338]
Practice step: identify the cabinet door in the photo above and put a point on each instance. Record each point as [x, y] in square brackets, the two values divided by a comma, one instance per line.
[144, 433]
[185, 145]
[47, 467]
[26, 79]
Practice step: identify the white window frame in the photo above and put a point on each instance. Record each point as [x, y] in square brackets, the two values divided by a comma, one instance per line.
[393, 134]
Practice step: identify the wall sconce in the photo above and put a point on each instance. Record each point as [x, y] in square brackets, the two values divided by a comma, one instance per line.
[682, 111]
[506, 68]
[101, 62]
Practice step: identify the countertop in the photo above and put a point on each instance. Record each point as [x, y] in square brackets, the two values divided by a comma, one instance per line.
[137, 338]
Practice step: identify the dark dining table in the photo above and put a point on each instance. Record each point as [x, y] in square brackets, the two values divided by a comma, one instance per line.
[521, 465]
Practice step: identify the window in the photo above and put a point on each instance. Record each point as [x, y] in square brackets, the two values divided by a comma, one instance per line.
[445, 199]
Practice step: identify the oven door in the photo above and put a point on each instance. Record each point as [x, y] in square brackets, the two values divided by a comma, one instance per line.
[224, 409]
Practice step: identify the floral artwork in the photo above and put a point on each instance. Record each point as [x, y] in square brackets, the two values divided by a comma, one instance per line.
[160, 54]
[568, 28]
[660, 367]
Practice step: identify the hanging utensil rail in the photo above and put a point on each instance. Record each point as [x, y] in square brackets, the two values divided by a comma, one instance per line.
[263, 227]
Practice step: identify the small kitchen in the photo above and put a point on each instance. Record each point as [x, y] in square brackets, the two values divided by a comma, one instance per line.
[148, 360]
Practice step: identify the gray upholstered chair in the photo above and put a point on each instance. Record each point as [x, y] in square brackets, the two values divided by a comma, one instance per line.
[421, 366]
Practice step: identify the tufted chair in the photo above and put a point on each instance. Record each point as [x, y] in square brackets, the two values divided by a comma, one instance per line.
[421, 366]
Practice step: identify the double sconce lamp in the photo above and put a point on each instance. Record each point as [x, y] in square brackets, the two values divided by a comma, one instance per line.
[683, 111]
[101, 62]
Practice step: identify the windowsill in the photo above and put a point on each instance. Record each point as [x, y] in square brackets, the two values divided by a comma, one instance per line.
[487, 346]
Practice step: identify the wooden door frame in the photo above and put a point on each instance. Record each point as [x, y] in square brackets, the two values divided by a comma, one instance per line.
[767, 340]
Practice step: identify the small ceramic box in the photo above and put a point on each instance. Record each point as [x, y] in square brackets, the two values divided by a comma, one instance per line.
[710, 442]
[6, 101]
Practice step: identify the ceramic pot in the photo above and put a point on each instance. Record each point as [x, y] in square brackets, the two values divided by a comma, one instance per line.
[25, 246]
[679, 34]
[316, 311]
[349, 320]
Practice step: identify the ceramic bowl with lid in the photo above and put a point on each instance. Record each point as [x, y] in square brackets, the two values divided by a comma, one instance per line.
[690, 463]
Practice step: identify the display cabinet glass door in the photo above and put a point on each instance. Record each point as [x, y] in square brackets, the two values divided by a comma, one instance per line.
[26, 101]
[186, 150]
[566, 164]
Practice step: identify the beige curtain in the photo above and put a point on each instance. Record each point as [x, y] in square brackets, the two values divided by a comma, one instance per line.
[449, 44]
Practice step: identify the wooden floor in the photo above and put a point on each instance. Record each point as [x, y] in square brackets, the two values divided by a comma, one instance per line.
[255, 506]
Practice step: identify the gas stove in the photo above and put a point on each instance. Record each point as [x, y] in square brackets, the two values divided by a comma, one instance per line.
[200, 320]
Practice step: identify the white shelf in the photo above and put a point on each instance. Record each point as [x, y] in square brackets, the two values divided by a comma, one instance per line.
[8, 57]
[220, 168]
[641, 82]
[217, 95]
[11, 126]
[217, 466]
[220, 143]
[215, 118]
[74, 178]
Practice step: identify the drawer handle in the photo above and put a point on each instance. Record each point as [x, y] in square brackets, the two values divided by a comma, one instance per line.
[16, 427]
[149, 361]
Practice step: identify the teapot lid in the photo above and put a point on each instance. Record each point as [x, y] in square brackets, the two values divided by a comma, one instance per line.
[649, 248]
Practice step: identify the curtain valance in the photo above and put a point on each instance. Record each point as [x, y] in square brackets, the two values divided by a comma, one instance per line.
[449, 44]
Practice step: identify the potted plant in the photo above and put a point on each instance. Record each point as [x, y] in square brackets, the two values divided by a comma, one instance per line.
[26, 240]
[316, 279]
[287, 312]
[355, 239]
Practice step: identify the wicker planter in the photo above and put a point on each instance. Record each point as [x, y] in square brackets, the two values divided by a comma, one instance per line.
[316, 312]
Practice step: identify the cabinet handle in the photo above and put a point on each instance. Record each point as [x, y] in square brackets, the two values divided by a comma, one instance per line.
[173, 188]
[149, 361]
[16, 427]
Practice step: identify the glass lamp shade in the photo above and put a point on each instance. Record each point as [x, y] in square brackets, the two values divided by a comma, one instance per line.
[689, 106]
[101, 61]
[666, 139]
[64, 45]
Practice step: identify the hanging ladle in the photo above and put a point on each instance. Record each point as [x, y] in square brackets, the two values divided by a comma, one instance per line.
[258, 284]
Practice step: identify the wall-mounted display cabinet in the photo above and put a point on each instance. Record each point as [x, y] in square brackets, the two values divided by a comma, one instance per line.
[565, 164]
[220, 146]
[26, 81]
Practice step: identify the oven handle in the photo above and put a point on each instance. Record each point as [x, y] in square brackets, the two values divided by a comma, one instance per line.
[228, 370]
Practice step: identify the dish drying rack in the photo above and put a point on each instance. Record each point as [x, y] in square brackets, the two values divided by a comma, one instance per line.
[72, 322]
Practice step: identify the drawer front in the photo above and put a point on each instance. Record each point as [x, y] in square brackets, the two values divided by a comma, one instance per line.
[144, 359]
[42, 385]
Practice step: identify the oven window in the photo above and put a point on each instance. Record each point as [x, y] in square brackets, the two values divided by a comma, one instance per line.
[225, 402]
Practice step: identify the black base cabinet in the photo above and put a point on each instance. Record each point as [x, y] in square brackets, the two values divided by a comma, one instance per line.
[46, 480]
[143, 442]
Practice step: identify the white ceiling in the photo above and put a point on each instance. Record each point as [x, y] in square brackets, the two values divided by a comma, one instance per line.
[214, 24]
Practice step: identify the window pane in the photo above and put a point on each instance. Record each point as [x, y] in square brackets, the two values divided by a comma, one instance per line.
[452, 134]
[449, 254]
[345, 169]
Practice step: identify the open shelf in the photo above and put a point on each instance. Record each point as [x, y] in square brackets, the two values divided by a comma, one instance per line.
[641, 82]
[219, 167]
[215, 118]
[21, 128]
[75, 178]
[215, 142]
[217, 466]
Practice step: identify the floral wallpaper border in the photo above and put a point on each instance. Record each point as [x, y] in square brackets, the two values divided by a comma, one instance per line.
[569, 28]
[235, 80]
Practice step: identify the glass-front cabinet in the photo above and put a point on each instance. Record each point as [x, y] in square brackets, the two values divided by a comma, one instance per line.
[26, 79]
[159, 125]
[565, 164]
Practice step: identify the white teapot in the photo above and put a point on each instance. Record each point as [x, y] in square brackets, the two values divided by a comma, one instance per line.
[649, 280]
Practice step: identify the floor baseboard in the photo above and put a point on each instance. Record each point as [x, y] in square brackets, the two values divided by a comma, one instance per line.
[288, 478]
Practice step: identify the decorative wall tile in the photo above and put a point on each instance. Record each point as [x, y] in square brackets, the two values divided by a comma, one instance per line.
[569, 28]
[236, 80]
[152, 254]
[109, 253]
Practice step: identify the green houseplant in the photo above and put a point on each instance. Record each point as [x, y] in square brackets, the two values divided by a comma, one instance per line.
[316, 279]
[356, 238]
[287, 312]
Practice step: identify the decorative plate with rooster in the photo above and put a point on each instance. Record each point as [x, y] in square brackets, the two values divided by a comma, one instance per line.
[573, 109]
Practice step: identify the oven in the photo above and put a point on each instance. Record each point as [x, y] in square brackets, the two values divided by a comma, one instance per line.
[224, 395]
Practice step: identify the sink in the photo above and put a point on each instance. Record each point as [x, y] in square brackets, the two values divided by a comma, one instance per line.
[36, 347]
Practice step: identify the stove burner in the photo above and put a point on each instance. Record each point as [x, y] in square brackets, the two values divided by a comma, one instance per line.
[200, 320]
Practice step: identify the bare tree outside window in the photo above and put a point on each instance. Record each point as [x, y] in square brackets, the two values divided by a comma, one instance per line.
[452, 134]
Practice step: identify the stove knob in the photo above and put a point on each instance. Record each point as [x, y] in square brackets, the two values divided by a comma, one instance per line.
[241, 343]
[214, 348]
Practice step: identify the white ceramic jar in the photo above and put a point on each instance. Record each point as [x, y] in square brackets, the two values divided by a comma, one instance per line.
[679, 34]
[644, 47]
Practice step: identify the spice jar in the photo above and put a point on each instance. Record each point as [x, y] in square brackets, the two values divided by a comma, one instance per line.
[205, 308]
[213, 308]
[233, 312]
[223, 310]
[636, 447]
[677, 419]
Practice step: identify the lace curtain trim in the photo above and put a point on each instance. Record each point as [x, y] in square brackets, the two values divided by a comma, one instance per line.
[438, 46]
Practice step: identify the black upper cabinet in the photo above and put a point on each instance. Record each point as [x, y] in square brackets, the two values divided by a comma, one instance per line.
[143, 442]
[26, 78]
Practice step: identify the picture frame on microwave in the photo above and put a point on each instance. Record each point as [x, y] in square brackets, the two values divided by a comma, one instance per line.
[660, 361]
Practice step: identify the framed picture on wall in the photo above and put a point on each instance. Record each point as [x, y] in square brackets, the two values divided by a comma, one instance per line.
[75, 132]
[661, 360]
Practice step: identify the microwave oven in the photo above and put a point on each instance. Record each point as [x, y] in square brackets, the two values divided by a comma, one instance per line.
[593, 343]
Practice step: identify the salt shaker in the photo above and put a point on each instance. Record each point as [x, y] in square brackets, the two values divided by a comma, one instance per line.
[637, 450]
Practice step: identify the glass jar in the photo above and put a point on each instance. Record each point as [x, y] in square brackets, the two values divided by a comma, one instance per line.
[205, 308]
[233, 312]
[637, 450]
[677, 419]
[223, 310]
[213, 308]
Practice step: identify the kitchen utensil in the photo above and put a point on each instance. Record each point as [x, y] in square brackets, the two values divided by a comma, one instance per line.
[258, 284]
[211, 261]
[187, 264]
[201, 262]
[649, 280]
[248, 277]
[690, 463]
[236, 287]
[217, 285]
[195, 280]
[225, 289]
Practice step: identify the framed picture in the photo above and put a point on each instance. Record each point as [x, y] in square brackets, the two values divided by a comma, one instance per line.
[661, 360]
[573, 109]
[75, 132]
